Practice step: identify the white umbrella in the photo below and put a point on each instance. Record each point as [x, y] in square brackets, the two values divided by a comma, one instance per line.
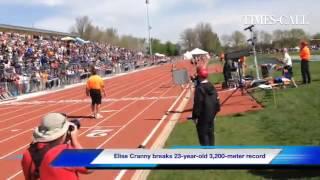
[67, 38]
[159, 55]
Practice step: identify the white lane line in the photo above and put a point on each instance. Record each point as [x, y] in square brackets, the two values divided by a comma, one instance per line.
[99, 127]
[87, 100]
[15, 130]
[45, 107]
[111, 110]
[163, 136]
[96, 125]
[154, 130]
[1, 129]
[16, 174]
[130, 121]
[13, 176]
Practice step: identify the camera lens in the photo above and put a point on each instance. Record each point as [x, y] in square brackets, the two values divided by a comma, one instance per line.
[71, 128]
[76, 122]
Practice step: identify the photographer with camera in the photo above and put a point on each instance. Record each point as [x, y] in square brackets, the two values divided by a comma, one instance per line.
[55, 134]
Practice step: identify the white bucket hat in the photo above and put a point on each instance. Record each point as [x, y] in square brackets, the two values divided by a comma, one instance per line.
[52, 127]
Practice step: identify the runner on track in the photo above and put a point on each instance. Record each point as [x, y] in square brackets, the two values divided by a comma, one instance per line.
[95, 87]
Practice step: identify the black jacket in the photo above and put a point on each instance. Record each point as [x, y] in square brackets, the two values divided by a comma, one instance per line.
[206, 103]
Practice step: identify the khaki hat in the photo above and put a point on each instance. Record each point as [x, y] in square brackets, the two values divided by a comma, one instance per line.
[52, 127]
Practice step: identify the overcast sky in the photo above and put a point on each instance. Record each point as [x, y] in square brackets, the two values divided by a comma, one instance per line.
[168, 17]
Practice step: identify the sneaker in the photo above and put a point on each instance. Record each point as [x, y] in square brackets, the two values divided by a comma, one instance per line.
[98, 116]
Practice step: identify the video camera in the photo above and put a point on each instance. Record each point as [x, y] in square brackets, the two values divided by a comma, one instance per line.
[76, 122]
[236, 55]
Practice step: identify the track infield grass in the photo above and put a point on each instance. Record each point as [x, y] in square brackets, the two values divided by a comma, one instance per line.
[293, 120]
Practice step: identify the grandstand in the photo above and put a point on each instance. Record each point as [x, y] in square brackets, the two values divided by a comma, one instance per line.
[32, 31]
[35, 59]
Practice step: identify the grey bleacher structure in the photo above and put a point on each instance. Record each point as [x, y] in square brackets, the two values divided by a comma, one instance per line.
[33, 31]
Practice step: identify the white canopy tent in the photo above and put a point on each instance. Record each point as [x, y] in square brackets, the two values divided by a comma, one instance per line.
[159, 55]
[81, 41]
[187, 55]
[198, 51]
[67, 38]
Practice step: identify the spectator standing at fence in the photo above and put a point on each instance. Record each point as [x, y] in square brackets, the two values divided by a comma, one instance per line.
[44, 79]
[33, 82]
[305, 58]
[95, 87]
[26, 83]
[205, 107]
[50, 138]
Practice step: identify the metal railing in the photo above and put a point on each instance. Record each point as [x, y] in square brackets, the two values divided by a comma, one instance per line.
[11, 89]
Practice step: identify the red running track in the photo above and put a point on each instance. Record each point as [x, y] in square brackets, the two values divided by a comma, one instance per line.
[135, 104]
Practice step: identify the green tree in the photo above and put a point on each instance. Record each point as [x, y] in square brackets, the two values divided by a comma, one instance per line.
[316, 36]
[83, 27]
[189, 39]
[170, 48]
[201, 36]
[238, 39]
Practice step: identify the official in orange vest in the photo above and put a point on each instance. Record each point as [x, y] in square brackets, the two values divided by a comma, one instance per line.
[95, 86]
[305, 58]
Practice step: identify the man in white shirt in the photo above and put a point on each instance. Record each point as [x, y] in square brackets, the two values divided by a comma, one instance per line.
[287, 69]
[287, 59]
[26, 83]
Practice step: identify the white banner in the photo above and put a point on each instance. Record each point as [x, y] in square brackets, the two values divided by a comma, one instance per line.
[187, 156]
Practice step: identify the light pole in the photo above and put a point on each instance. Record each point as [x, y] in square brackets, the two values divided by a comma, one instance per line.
[149, 28]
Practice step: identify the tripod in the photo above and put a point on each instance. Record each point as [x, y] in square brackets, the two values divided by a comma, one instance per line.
[239, 85]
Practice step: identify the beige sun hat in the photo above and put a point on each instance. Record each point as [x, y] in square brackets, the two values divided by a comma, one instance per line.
[52, 127]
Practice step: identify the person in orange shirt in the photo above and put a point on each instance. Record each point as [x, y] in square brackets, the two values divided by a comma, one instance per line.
[242, 65]
[222, 56]
[95, 86]
[43, 79]
[305, 58]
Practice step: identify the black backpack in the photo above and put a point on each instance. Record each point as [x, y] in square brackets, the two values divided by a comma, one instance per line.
[37, 155]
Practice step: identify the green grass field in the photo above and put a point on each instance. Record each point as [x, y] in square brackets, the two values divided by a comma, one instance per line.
[293, 120]
[313, 52]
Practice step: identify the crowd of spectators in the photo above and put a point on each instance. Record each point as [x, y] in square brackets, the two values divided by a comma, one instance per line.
[31, 63]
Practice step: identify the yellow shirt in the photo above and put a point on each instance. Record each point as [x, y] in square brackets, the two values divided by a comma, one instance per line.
[95, 82]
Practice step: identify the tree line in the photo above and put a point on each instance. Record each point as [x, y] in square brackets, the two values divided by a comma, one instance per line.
[277, 39]
[201, 36]
[85, 29]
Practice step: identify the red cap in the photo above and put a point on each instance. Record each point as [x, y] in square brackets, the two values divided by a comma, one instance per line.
[203, 73]
[304, 43]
